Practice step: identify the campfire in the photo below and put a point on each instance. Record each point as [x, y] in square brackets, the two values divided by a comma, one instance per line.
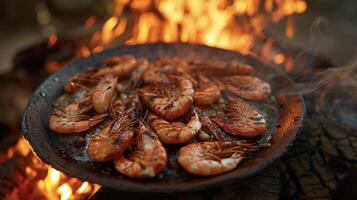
[238, 25]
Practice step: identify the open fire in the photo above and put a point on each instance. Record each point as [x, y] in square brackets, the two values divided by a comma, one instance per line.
[45, 182]
[237, 25]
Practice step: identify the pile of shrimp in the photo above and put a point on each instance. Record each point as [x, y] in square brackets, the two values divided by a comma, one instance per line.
[132, 109]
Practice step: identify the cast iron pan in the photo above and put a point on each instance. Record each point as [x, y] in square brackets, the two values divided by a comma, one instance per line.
[65, 153]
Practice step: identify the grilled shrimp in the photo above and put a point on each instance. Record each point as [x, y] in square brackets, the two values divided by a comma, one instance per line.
[158, 74]
[207, 92]
[220, 69]
[73, 119]
[103, 93]
[120, 66]
[248, 87]
[241, 119]
[148, 160]
[61, 123]
[171, 104]
[176, 132]
[238, 68]
[137, 74]
[212, 158]
[111, 141]
[81, 80]
[121, 105]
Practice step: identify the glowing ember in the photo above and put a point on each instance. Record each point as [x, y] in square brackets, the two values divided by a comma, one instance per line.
[289, 30]
[53, 177]
[279, 58]
[85, 188]
[52, 40]
[65, 191]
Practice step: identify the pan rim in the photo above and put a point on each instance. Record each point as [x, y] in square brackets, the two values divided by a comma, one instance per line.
[137, 186]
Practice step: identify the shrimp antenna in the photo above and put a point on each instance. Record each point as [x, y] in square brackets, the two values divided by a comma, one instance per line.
[146, 114]
[82, 86]
[111, 110]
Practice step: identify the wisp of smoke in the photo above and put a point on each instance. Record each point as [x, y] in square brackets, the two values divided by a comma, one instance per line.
[331, 76]
[316, 29]
[346, 73]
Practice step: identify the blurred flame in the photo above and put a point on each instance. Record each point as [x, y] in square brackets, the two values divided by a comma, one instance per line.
[289, 29]
[229, 24]
[279, 58]
[85, 51]
[108, 29]
[85, 187]
[65, 191]
[289, 64]
[21, 147]
[52, 40]
[53, 177]
[90, 21]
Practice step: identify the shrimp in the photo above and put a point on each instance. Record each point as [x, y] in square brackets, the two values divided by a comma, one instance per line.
[241, 119]
[238, 68]
[159, 71]
[79, 107]
[111, 141]
[212, 158]
[148, 160]
[121, 105]
[207, 92]
[172, 104]
[120, 66]
[103, 93]
[137, 74]
[220, 69]
[209, 130]
[248, 87]
[158, 74]
[81, 80]
[176, 132]
[73, 119]
[61, 123]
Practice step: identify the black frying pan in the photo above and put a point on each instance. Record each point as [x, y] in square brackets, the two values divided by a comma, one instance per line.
[65, 153]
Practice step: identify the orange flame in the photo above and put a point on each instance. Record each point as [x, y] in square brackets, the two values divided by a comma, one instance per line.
[279, 58]
[65, 191]
[234, 25]
[52, 40]
[237, 25]
[289, 29]
[55, 185]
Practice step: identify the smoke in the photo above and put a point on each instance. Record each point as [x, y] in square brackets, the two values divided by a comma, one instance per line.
[316, 30]
[345, 74]
[313, 78]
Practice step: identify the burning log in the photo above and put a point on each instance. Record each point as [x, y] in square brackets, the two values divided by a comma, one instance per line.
[12, 173]
[24, 176]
